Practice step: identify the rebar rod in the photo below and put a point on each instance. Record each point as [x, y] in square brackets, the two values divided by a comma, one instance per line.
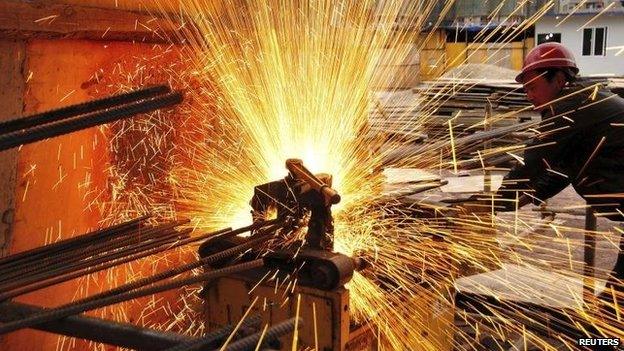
[85, 238]
[173, 272]
[125, 335]
[277, 222]
[82, 108]
[219, 234]
[92, 269]
[170, 237]
[54, 314]
[70, 255]
[14, 139]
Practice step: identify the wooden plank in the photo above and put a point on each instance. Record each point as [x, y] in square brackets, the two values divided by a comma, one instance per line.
[12, 56]
[26, 20]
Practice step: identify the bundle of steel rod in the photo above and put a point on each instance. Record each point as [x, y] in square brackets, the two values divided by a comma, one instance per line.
[29, 129]
[70, 258]
[147, 286]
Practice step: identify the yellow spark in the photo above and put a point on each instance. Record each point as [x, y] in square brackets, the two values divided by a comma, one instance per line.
[453, 146]
[316, 344]
[47, 18]
[25, 190]
[295, 341]
[620, 49]
[615, 304]
[105, 32]
[266, 326]
[591, 157]
[258, 283]
[594, 93]
[67, 95]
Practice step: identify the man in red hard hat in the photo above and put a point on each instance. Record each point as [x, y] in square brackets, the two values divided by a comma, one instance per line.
[556, 64]
[580, 143]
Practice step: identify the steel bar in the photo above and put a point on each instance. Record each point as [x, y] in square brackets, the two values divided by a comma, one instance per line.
[169, 239]
[274, 223]
[62, 113]
[67, 257]
[173, 272]
[39, 262]
[220, 234]
[215, 336]
[276, 331]
[14, 139]
[54, 314]
[168, 245]
[75, 253]
[85, 238]
[99, 330]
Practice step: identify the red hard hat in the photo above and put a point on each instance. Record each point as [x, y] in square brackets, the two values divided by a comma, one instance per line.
[548, 55]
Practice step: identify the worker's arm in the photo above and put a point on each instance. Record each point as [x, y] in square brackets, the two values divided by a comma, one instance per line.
[543, 174]
[534, 181]
[540, 177]
[546, 159]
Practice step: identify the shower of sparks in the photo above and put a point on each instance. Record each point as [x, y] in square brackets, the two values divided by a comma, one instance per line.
[267, 81]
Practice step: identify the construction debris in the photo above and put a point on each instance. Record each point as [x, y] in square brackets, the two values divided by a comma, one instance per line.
[469, 98]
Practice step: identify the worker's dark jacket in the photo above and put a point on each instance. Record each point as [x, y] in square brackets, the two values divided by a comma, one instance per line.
[581, 142]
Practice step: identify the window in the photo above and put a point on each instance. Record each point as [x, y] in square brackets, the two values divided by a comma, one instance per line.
[599, 42]
[548, 37]
[594, 41]
[587, 41]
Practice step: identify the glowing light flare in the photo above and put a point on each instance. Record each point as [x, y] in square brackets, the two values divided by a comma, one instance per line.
[293, 84]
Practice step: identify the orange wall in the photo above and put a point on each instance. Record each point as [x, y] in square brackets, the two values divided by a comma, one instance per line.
[57, 178]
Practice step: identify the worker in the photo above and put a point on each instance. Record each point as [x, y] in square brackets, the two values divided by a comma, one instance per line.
[580, 142]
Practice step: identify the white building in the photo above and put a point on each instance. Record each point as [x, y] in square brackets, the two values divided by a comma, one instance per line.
[567, 6]
[598, 46]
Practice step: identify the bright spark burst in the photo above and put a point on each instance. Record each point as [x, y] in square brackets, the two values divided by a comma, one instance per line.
[298, 82]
